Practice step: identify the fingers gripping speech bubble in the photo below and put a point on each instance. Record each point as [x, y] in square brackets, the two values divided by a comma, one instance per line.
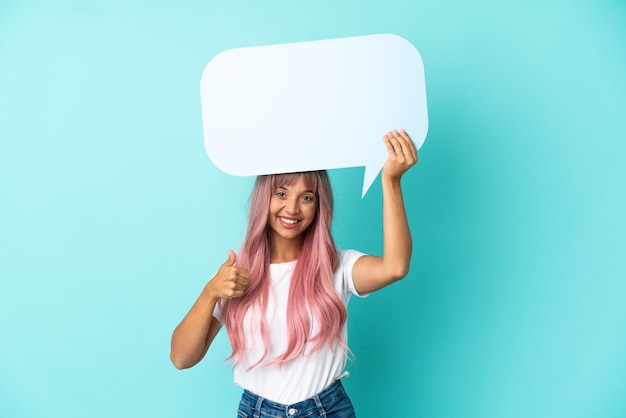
[312, 105]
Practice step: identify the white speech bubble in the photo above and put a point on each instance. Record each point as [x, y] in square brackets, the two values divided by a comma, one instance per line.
[312, 105]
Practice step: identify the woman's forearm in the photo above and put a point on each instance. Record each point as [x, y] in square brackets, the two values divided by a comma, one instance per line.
[397, 245]
[192, 337]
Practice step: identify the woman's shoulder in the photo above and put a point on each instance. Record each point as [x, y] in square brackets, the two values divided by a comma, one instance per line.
[348, 257]
[343, 273]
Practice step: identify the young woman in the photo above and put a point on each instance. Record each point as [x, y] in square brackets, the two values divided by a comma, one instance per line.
[283, 298]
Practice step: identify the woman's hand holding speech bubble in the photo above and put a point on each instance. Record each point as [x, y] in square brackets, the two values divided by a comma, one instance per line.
[402, 153]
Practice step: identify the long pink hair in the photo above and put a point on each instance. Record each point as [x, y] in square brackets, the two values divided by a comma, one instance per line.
[312, 292]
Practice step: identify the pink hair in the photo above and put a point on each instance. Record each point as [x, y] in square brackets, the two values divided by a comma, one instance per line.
[312, 292]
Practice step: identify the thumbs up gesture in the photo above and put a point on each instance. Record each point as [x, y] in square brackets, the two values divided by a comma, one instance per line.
[229, 281]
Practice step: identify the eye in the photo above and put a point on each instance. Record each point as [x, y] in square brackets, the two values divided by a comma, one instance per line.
[280, 193]
[308, 198]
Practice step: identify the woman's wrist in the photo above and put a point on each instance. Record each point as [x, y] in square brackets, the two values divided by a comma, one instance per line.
[209, 295]
[388, 180]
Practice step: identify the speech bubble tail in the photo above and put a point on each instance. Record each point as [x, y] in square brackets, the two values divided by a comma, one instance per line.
[371, 172]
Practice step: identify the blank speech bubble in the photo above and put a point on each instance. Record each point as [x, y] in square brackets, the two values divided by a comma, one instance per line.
[312, 105]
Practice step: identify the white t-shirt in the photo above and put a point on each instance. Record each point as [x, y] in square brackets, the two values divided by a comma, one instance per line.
[307, 375]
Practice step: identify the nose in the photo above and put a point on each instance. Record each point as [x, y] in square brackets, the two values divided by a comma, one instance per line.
[292, 206]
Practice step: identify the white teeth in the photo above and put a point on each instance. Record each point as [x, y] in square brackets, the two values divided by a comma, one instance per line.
[289, 221]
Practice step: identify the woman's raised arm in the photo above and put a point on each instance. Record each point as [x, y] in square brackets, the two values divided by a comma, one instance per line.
[371, 273]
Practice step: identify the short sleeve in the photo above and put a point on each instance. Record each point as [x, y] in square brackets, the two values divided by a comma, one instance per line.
[217, 312]
[347, 258]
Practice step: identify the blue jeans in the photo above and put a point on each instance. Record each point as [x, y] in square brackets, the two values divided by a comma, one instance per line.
[332, 402]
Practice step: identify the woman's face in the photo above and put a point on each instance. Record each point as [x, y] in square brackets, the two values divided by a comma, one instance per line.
[292, 210]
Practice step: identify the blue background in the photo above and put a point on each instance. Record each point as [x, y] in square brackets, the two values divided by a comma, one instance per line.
[112, 217]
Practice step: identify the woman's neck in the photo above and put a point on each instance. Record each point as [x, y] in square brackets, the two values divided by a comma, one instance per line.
[284, 250]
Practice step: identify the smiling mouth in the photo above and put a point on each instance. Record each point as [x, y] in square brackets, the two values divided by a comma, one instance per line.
[289, 221]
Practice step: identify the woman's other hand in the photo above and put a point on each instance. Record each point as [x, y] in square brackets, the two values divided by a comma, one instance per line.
[229, 281]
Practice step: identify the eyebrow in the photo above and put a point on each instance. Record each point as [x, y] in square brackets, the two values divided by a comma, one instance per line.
[287, 188]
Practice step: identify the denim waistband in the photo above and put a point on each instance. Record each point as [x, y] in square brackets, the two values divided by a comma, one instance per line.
[318, 403]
